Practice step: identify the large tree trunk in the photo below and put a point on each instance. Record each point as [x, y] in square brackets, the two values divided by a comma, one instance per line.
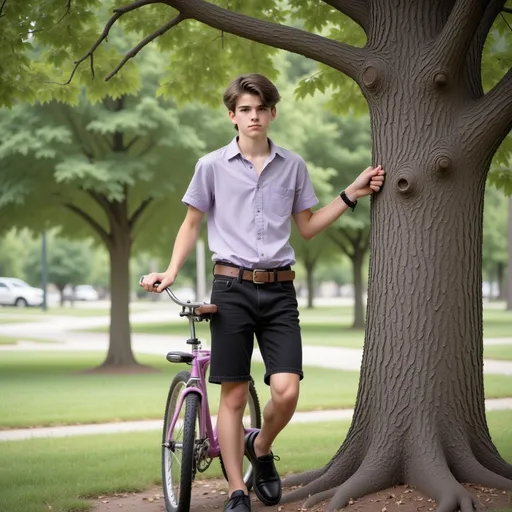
[419, 415]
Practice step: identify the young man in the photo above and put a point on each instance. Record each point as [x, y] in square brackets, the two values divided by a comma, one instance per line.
[250, 189]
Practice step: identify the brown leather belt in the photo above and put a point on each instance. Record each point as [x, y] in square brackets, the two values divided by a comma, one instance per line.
[257, 276]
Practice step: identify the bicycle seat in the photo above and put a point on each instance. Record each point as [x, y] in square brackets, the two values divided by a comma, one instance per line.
[180, 357]
[206, 309]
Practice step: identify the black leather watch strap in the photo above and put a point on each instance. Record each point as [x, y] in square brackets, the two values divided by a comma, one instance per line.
[347, 201]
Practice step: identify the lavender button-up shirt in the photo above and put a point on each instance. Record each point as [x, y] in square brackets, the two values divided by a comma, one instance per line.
[249, 216]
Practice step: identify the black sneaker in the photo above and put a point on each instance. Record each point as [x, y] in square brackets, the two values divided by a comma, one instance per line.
[265, 479]
[239, 502]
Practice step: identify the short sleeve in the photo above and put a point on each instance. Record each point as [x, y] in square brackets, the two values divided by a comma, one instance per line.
[200, 191]
[305, 196]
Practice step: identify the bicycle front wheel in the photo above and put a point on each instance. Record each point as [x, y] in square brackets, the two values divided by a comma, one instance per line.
[178, 462]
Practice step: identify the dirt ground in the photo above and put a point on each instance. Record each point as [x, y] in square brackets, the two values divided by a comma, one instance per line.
[211, 494]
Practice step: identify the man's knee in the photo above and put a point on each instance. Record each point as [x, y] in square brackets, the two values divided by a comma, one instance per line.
[285, 389]
[233, 395]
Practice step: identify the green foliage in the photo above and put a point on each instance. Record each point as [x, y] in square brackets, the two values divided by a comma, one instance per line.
[14, 247]
[68, 262]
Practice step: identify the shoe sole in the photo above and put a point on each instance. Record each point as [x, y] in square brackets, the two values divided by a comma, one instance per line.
[266, 502]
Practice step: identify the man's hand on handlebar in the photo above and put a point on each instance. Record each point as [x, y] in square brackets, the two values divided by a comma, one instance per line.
[165, 280]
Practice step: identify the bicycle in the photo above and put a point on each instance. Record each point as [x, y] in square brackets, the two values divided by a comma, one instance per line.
[189, 441]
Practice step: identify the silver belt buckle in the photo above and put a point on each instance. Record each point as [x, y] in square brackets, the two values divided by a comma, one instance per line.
[254, 275]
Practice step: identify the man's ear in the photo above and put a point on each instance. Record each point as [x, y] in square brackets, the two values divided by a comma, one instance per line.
[232, 116]
[273, 113]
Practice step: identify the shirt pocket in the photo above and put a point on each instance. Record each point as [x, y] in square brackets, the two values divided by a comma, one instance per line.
[281, 200]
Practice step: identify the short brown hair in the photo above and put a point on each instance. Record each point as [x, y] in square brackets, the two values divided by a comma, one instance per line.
[251, 84]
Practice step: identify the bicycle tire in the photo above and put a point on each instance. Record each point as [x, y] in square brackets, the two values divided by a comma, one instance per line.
[178, 467]
[253, 403]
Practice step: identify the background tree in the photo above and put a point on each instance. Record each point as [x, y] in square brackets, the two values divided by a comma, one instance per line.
[435, 131]
[495, 241]
[68, 263]
[109, 169]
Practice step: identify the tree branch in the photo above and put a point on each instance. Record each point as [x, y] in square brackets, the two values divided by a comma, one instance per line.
[494, 112]
[455, 38]
[134, 51]
[2, 14]
[507, 10]
[343, 57]
[139, 211]
[132, 142]
[357, 10]
[473, 64]
[92, 223]
[68, 10]
[340, 244]
[117, 14]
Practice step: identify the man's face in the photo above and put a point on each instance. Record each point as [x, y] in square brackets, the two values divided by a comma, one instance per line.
[252, 117]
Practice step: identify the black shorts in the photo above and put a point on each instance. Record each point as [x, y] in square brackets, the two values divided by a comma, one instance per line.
[245, 309]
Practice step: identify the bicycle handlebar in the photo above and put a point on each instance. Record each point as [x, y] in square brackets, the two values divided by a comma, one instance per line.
[203, 308]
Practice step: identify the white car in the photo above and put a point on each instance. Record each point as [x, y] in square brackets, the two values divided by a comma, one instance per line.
[85, 292]
[15, 292]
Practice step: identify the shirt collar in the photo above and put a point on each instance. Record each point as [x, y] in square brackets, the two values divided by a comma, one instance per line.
[233, 150]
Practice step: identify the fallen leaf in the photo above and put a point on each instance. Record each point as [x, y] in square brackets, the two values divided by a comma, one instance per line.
[384, 509]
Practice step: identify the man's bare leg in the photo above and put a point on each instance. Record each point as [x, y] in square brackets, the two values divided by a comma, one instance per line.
[284, 390]
[233, 399]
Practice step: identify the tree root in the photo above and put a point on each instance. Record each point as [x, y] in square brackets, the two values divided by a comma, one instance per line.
[377, 472]
[470, 470]
[436, 479]
[304, 478]
[489, 458]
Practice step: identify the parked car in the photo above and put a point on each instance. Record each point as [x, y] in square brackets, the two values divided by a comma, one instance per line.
[85, 292]
[15, 292]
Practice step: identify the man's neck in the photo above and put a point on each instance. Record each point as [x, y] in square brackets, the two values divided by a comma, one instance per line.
[254, 148]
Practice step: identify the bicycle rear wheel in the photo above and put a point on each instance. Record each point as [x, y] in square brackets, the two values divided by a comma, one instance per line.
[252, 419]
[178, 461]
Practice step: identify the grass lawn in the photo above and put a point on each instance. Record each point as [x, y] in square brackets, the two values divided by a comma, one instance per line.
[9, 340]
[48, 388]
[56, 474]
[501, 352]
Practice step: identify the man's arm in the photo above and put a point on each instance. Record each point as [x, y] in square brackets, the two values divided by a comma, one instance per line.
[183, 245]
[311, 223]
